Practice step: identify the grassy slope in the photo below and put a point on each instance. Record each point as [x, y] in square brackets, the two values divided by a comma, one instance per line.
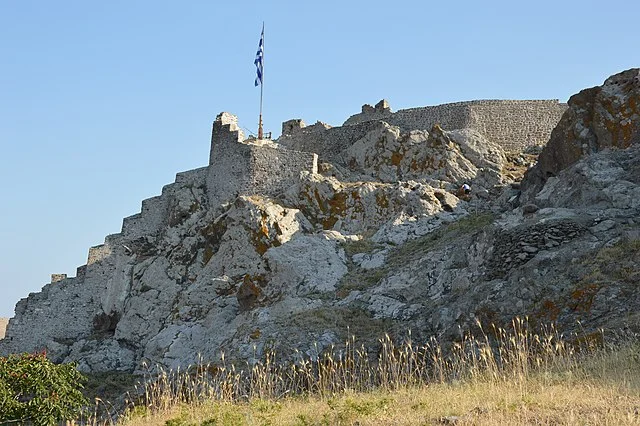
[476, 403]
[600, 388]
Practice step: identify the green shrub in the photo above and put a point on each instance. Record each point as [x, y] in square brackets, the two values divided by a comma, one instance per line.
[34, 389]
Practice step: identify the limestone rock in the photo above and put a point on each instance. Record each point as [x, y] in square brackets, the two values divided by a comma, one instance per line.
[606, 181]
[601, 117]
[452, 157]
[355, 207]
[308, 264]
[370, 261]
[263, 249]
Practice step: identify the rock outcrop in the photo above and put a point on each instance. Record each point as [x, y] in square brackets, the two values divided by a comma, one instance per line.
[598, 118]
[270, 247]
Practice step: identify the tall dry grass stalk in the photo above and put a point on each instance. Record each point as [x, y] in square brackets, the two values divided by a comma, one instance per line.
[498, 356]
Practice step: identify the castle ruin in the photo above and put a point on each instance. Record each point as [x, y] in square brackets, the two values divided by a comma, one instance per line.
[238, 166]
[514, 125]
[246, 166]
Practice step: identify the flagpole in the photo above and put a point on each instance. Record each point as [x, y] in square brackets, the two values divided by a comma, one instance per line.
[261, 87]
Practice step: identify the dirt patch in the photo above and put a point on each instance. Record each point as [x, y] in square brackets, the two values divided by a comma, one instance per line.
[3, 326]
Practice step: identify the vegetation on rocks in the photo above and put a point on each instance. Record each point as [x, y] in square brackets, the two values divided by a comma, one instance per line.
[463, 227]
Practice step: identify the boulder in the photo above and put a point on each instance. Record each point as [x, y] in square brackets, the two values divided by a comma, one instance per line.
[598, 118]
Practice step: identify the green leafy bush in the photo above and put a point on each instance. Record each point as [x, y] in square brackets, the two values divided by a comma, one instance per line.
[34, 389]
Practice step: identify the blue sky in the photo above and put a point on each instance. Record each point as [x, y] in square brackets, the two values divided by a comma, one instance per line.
[101, 103]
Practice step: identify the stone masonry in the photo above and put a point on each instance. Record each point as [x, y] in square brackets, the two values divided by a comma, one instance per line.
[102, 288]
[236, 167]
[58, 277]
[328, 142]
[244, 167]
[513, 124]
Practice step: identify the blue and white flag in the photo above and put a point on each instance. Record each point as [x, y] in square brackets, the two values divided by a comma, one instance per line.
[258, 61]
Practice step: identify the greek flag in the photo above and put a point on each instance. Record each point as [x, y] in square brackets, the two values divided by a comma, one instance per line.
[258, 61]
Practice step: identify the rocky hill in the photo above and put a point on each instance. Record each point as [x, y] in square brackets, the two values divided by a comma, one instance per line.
[361, 229]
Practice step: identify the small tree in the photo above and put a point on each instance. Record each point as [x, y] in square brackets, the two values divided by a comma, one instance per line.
[35, 390]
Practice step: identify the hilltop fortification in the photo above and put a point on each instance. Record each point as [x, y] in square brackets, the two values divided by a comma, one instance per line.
[289, 242]
[514, 125]
[251, 166]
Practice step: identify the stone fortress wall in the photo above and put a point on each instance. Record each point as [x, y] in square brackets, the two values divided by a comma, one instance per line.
[328, 142]
[248, 166]
[275, 169]
[239, 166]
[513, 124]
[534, 120]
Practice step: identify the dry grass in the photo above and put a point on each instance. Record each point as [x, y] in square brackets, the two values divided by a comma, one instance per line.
[461, 404]
[515, 377]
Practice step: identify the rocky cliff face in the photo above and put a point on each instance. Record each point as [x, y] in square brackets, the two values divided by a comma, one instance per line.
[377, 240]
[598, 118]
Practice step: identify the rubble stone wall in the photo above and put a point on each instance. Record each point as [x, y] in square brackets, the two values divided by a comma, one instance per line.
[274, 170]
[516, 125]
[513, 124]
[239, 167]
[3, 327]
[328, 143]
[38, 318]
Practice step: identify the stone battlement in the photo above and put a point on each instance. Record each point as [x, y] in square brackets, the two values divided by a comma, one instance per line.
[58, 277]
[513, 124]
[225, 131]
[246, 166]
[98, 253]
[381, 107]
[241, 166]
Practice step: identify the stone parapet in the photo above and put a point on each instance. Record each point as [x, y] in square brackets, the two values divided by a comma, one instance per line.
[225, 131]
[58, 277]
[292, 126]
[98, 253]
[328, 142]
[513, 124]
